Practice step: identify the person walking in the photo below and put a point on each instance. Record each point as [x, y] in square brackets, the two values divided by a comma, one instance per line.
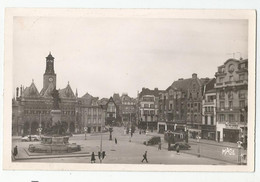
[15, 153]
[93, 159]
[160, 146]
[115, 141]
[145, 157]
[178, 149]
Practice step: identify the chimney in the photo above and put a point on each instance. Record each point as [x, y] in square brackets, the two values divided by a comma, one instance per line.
[156, 89]
[194, 76]
[17, 92]
[180, 79]
[21, 91]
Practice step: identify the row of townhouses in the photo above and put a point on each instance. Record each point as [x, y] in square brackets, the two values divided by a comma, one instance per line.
[213, 108]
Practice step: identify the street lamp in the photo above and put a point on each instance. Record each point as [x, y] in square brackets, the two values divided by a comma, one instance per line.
[198, 140]
[239, 146]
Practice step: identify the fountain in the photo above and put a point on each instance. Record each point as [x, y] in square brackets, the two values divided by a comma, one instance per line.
[54, 139]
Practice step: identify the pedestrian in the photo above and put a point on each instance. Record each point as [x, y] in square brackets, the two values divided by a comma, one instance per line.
[160, 146]
[15, 153]
[93, 159]
[145, 157]
[115, 141]
[30, 138]
[178, 149]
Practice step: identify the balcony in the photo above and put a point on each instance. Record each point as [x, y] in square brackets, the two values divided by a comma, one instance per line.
[209, 103]
[228, 109]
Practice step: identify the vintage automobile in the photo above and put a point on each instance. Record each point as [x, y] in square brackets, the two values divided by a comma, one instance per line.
[182, 146]
[153, 141]
[33, 138]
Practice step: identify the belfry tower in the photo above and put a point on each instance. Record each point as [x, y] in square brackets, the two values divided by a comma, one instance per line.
[49, 76]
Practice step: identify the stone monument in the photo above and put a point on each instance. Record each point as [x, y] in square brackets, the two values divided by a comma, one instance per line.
[55, 139]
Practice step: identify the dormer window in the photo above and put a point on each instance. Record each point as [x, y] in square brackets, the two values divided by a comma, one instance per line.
[231, 68]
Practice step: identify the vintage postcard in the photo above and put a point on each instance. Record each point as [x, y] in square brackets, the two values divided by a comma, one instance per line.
[129, 89]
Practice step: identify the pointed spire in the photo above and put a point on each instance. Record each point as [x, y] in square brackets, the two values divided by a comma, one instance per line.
[76, 93]
[32, 80]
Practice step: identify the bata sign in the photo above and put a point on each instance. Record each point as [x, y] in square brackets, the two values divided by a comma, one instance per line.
[230, 125]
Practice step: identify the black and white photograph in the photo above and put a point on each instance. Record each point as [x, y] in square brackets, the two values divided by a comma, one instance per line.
[130, 89]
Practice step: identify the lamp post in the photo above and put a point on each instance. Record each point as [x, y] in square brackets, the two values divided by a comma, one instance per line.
[198, 140]
[239, 143]
[101, 153]
[40, 125]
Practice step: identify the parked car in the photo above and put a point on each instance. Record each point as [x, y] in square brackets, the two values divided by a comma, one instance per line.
[182, 146]
[153, 141]
[33, 138]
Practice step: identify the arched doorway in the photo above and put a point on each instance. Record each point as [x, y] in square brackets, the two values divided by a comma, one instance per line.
[26, 128]
[72, 127]
[34, 128]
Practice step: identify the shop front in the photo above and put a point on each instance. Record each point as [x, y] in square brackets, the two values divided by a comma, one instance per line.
[230, 135]
[208, 132]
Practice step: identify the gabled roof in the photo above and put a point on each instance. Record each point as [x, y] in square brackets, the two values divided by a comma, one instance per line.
[183, 84]
[210, 85]
[116, 98]
[31, 91]
[67, 93]
[86, 99]
[111, 100]
[147, 91]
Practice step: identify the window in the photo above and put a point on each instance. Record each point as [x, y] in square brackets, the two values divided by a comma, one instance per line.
[221, 95]
[199, 106]
[230, 94]
[231, 78]
[222, 104]
[221, 79]
[222, 117]
[241, 77]
[241, 103]
[206, 120]
[151, 105]
[230, 104]
[212, 120]
[146, 105]
[242, 118]
[242, 95]
[230, 117]
[170, 107]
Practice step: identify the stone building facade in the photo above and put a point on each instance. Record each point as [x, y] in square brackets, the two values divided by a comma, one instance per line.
[148, 101]
[180, 105]
[231, 94]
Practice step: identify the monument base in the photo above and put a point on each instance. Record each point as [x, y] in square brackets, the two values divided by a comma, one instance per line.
[53, 144]
[56, 116]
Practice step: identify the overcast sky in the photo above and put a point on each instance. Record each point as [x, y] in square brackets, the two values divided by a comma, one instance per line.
[103, 56]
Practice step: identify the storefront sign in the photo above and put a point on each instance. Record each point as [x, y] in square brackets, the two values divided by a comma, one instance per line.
[231, 126]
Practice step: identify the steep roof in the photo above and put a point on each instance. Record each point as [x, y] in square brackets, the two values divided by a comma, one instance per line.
[117, 99]
[147, 91]
[86, 99]
[31, 91]
[210, 85]
[67, 93]
[183, 84]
